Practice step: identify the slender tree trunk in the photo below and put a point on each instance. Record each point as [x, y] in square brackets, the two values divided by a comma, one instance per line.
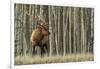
[92, 30]
[50, 30]
[59, 32]
[64, 32]
[74, 34]
[82, 30]
[24, 38]
[56, 30]
[70, 44]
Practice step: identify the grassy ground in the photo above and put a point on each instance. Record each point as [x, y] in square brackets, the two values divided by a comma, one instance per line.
[23, 60]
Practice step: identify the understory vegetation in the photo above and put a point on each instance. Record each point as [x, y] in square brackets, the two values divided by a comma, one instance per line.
[26, 60]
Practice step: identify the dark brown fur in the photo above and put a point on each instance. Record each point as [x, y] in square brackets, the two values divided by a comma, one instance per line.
[38, 35]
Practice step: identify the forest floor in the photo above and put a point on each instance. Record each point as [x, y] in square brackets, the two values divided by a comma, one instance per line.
[26, 60]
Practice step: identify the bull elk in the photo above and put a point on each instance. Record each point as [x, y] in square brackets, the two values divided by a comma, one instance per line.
[38, 35]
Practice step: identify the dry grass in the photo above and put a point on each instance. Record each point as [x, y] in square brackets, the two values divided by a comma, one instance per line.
[23, 60]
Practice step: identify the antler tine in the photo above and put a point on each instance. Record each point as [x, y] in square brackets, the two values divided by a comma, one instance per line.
[40, 20]
[46, 24]
[36, 17]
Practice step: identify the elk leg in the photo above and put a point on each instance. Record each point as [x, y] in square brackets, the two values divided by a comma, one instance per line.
[33, 50]
[45, 49]
[41, 47]
[42, 50]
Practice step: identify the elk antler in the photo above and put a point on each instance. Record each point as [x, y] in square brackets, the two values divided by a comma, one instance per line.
[41, 21]
[36, 18]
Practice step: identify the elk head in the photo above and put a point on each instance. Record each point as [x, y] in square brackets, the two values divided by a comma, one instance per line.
[44, 28]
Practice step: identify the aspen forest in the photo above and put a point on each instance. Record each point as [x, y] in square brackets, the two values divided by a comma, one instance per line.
[71, 37]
